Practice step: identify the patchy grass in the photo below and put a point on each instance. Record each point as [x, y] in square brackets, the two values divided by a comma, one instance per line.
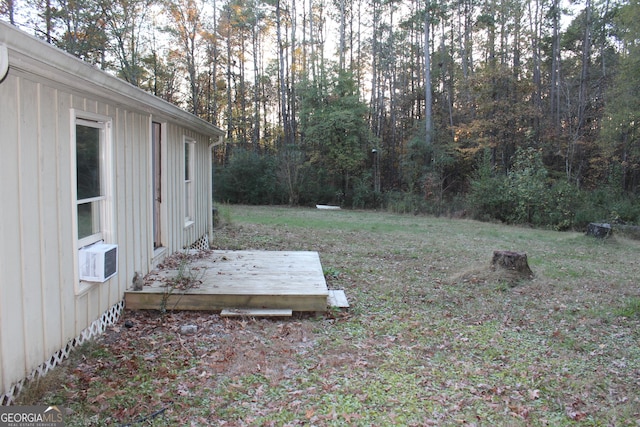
[429, 340]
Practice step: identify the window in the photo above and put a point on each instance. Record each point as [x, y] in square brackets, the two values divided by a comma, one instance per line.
[189, 146]
[92, 185]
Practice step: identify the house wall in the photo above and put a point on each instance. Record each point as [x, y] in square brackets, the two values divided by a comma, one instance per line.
[43, 304]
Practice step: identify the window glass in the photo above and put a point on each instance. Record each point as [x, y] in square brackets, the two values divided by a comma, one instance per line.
[188, 180]
[89, 147]
[88, 161]
[88, 219]
[187, 161]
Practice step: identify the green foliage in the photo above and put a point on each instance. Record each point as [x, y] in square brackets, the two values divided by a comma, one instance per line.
[404, 202]
[524, 195]
[291, 171]
[416, 162]
[527, 187]
[606, 205]
[488, 197]
[336, 133]
[363, 195]
[248, 178]
[318, 187]
[80, 32]
[560, 205]
[509, 95]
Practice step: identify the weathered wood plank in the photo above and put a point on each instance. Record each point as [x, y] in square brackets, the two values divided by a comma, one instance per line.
[337, 298]
[256, 312]
[156, 301]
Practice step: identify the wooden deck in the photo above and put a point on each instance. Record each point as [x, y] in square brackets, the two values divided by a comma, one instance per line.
[236, 280]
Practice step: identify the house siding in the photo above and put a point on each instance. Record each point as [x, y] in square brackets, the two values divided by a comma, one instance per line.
[42, 303]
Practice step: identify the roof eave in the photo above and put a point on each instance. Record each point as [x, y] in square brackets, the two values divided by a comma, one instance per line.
[34, 56]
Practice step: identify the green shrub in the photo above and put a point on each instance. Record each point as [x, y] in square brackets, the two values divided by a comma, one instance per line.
[526, 195]
[606, 205]
[560, 206]
[626, 209]
[316, 187]
[363, 195]
[405, 202]
[527, 188]
[248, 178]
[488, 197]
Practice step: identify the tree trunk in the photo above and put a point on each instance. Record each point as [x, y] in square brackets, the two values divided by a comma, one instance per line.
[229, 101]
[582, 96]
[555, 67]
[255, 134]
[427, 76]
[342, 48]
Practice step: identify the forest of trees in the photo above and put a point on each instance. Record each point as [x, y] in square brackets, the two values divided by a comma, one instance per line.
[521, 111]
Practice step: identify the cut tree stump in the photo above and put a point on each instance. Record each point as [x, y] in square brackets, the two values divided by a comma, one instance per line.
[512, 261]
[599, 230]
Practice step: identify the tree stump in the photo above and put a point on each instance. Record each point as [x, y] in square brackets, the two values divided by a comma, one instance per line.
[512, 261]
[599, 230]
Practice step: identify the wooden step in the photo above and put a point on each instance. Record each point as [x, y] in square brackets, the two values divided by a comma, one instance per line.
[337, 299]
[256, 312]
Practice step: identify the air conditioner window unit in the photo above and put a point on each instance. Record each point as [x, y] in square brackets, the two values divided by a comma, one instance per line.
[98, 262]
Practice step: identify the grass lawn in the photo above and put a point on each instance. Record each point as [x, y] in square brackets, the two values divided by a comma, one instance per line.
[429, 339]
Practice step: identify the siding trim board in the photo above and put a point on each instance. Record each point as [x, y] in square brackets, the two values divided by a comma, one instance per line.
[41, 296]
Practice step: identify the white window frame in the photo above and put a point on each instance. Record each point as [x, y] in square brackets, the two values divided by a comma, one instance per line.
[189, 181]
[105, 208]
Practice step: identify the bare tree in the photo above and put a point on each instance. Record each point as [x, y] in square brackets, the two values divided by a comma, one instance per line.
[186, 26]
[7, 8]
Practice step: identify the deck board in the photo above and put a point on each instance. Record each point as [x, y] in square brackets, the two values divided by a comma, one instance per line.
[256, 312]
[240, 279]
[338, 299]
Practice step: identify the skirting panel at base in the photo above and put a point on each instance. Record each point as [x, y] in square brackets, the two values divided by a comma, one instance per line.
[96, 328]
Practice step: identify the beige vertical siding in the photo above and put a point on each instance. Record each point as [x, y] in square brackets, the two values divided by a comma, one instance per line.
[180, 236]
[42, 304]
[12, 336]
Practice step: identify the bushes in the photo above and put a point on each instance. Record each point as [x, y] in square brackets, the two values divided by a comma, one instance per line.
[523, 196]
[248, 178]
[606, 205]
[363, 195]
[527, 196]
[405, 202]
[527, 189]
[264, 179]
[487, 198]
[559, 208]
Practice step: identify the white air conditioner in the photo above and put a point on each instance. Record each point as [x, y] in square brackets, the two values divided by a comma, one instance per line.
[98, 262]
